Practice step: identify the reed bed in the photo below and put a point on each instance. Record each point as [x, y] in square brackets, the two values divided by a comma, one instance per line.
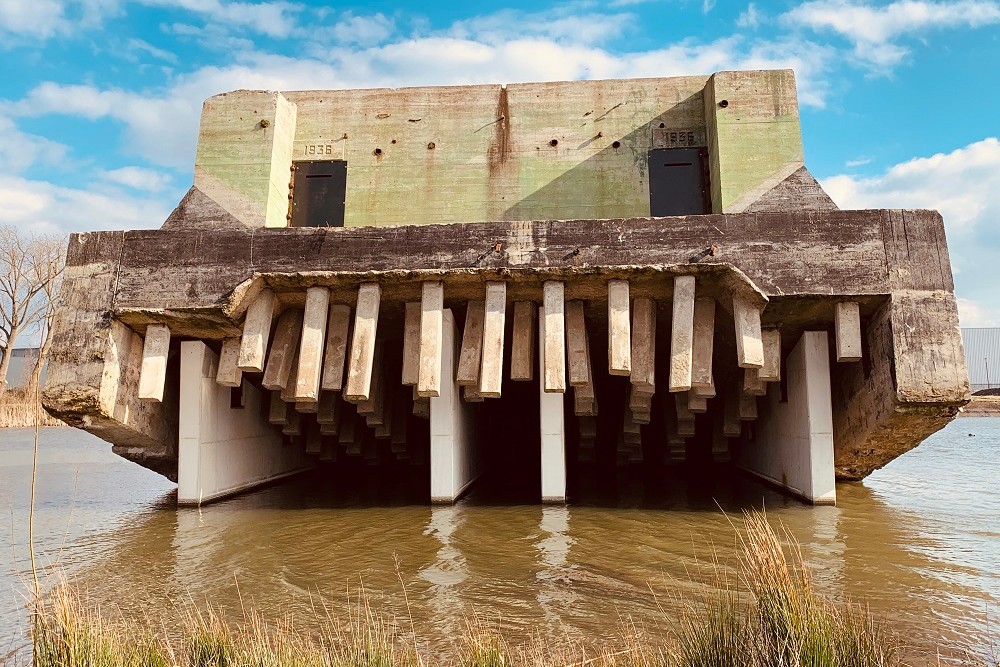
[768, 615]
[19, 410]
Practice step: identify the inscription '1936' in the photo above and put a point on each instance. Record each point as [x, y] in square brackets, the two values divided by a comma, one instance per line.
[677, 138]
[318, 149]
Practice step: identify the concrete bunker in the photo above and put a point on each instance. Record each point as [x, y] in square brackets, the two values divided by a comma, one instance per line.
[544, 318]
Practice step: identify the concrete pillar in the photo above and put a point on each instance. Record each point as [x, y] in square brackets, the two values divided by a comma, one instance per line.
[682, 334]
[362, 354]
[554, 354]
[491, 371]
[431, 307]
[153, 373]
[794, 443]
[553, 428]
[454, 457]
[328, 410]
[337, 329]
[576, 344]
[752, 384]
[229, 374]
[749, 348]
[224, 450]
[470, 358]
[256, 332]
[847, 324]
[643, 352]
[284, 350]
[703, 344]
[522, 348]
[314, 321]
[277, 414]
[619, 332]
[771, 370]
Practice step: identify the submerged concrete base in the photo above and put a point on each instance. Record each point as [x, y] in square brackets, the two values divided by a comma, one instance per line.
[454, 455]
[224, 450]
[793, 447]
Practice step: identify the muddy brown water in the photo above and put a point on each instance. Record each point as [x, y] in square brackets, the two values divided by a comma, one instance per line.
[919, 541]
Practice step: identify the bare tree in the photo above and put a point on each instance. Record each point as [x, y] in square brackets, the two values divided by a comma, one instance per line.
[30, 271]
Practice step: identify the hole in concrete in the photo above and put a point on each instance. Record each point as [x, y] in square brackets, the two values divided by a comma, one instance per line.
[554, 142]
[723, 104]
[616, 144]
[377, 152]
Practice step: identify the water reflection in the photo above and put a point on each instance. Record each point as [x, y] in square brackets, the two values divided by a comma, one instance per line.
[929, 566]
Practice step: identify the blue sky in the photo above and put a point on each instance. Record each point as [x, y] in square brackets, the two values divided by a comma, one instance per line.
[900, 101]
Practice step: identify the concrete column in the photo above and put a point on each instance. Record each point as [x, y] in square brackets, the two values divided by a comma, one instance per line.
[554, 354]
[256, 332]
[522, 347]
[431, 307]
[222, 450]
[284, 350]
[749, 348]
[337, 329]
[752, 384]
[703, 344]
[454, 457]
[576, 344]
[619, 332]
[847, 323]
[553, 428]
[362, 354]
[794, 443]
[682, 334]
[471, 356]
[229, 374]
[491, 371]
[314, 321]
[153, 373]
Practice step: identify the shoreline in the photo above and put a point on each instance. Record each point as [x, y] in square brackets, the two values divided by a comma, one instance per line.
[982, 406]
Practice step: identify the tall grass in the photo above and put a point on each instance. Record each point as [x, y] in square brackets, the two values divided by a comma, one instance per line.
[768, 615]
[20, 409]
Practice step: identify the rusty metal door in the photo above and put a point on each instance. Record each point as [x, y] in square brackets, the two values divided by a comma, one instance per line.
[678, 182]
[319, 189]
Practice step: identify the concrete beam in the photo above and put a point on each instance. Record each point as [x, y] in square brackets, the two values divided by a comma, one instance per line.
[522, 349]
[752, 384]
[362, 354]
[411, 344]
[704, 343]
[847, 324]
[771, 370]
[643, 351]
[229, 374]
[431, 307]
[153, 376]
[576, 344]
[619, 331]
[553, 292]
[749, 348]
[311, 346]
[682, 334]
[491, 371]
[256, 332]
[335, 356]
[284, 349]
[470, 358]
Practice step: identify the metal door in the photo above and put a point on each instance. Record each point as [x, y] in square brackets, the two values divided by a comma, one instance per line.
[319, 188]
[678, 182]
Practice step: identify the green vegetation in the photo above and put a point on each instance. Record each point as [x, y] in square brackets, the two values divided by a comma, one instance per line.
[767, 616]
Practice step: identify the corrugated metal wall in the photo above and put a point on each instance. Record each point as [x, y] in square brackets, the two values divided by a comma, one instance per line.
[22, 361]
[982, 354]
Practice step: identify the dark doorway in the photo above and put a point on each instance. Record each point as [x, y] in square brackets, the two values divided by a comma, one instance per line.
[678, 182]
[318, 193]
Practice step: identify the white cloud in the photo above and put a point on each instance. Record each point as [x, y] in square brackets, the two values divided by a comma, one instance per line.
[275, 19]
[360, 30]
[873, 29]
[139, 178]
[144, 46]
[38, 18]
[750, 18]
[964, 185]
[19, 150]
[857, 162]
[43, 207]
[974, 314]
[565, 26]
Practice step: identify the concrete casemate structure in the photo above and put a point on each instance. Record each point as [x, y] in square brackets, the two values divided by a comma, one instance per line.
[631, 272]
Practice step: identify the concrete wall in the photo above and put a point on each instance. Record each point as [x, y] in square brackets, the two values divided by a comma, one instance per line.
[535, 151]
[454, 455]
[223, 450]
[793, 447]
